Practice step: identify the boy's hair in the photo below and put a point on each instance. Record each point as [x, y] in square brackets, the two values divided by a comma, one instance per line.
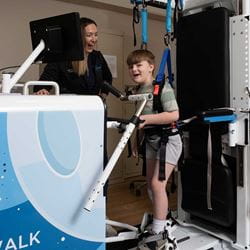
[139, 55]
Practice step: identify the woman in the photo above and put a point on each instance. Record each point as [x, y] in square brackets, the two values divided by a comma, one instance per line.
[80, 77]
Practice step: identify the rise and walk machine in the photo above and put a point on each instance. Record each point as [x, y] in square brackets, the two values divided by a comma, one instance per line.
[52, 147]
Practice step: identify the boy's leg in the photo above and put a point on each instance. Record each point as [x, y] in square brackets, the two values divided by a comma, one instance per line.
[160, 199]
[159, 233]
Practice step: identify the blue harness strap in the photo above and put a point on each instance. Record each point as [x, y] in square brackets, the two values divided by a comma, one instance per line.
[144, 18]
[160, 80]
[144, 24]
[168, 22]
[165, 60]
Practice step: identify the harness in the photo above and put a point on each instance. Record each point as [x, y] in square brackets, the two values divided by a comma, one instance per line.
[162, 134]
[163, 131]
[160, 80]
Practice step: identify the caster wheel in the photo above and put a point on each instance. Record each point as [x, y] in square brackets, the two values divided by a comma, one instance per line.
[169, 247]
[138, 193]
[132, 186]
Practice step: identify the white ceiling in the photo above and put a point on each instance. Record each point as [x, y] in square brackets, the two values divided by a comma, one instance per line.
[187, 3]
[125, 6]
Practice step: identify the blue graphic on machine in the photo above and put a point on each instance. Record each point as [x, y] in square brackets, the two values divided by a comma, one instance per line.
[48, 161]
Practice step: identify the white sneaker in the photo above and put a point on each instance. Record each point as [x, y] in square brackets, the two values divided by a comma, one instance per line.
[110, 231]
[157, 242]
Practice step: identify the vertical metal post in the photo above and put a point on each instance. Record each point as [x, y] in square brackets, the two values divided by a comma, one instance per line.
[239, 99]
[245, 7]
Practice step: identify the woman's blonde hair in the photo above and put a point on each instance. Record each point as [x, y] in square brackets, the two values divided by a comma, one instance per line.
[80, 67]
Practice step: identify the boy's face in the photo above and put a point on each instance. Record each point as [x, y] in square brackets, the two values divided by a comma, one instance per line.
[141, 72]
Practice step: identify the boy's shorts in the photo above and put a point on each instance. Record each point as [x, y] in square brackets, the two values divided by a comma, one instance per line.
[173, 149]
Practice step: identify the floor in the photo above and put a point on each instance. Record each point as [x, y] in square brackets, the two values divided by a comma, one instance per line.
[125, 206]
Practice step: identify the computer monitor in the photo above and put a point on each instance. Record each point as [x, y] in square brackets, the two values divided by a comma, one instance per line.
[62, 37]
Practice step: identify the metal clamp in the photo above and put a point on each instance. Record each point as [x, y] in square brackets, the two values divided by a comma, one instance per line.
[167, 39]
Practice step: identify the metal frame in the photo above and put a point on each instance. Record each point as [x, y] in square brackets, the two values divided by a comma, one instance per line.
[235, 144]
[240, 102]
[96, 189]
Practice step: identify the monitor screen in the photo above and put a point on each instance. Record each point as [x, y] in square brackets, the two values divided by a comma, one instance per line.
[62, 37]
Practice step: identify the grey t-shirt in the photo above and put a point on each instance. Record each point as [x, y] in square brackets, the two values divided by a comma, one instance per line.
[169, 104]
[168, 99]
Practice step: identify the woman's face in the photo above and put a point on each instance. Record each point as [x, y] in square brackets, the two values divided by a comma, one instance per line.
[90, 38]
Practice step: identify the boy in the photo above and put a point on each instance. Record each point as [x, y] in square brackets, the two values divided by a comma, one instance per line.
[141, 64]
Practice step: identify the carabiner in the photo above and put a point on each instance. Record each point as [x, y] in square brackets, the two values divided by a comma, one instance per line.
[144, 46]
[167, 39]
[144, 4]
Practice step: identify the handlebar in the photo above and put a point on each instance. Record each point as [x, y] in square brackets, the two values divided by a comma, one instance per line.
[122, 97]
[40, 83]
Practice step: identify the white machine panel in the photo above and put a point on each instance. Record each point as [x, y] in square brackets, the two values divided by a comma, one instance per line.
[51, 152]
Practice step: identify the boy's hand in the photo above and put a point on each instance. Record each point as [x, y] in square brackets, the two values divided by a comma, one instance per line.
[135, 152]
[142, 121]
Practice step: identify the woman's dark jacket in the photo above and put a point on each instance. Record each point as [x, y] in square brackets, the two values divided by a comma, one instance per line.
[70, 82]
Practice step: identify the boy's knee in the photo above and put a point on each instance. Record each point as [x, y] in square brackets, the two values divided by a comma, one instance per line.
[157, 186]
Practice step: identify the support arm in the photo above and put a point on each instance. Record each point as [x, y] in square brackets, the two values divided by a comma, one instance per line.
[9, 82]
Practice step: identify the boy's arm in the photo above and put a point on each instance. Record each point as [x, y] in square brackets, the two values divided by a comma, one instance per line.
[161, 118]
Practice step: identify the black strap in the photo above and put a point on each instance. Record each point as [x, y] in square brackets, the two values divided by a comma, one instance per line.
[136, 20]
[129, 148]
[141, 147]
[157, 105]
[164, 133]
[175, 19]
[177, 13]
[162, 172]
